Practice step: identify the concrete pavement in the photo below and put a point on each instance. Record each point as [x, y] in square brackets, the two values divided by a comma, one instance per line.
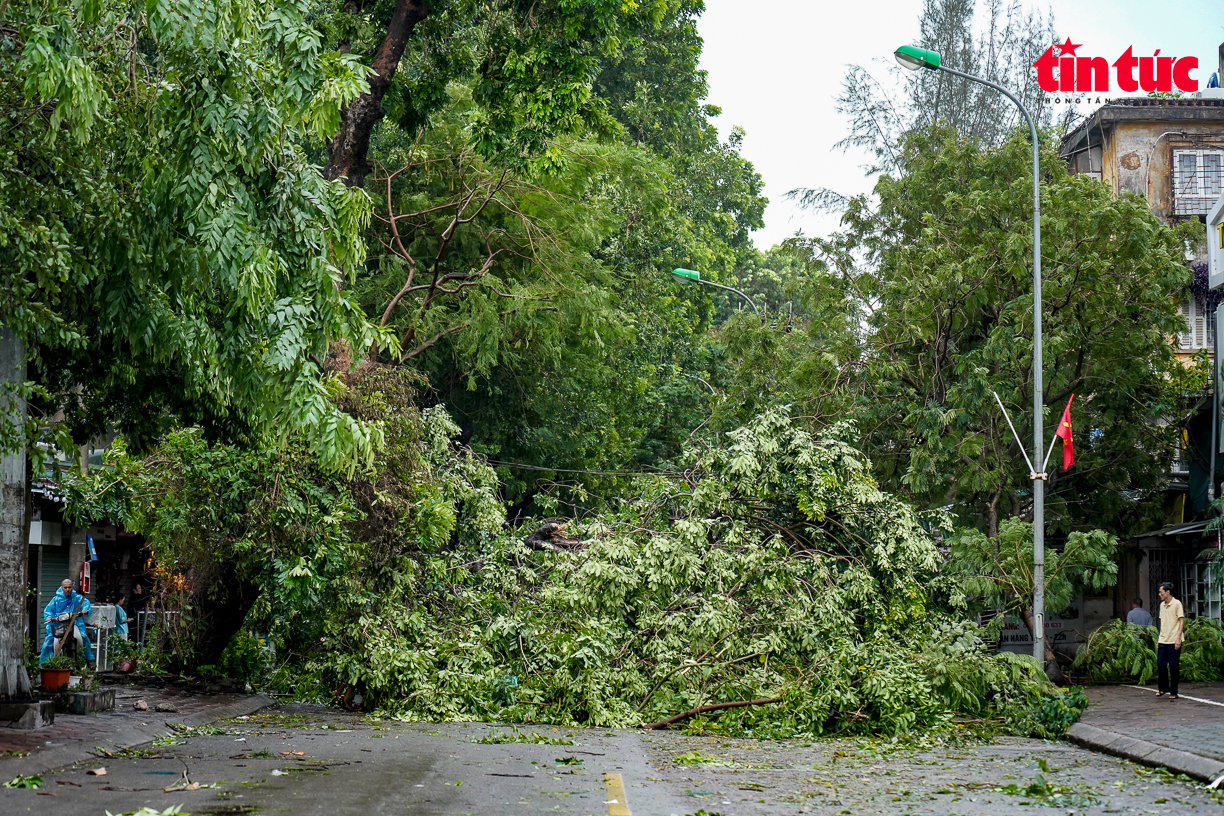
[74, 738]
[1184, 735]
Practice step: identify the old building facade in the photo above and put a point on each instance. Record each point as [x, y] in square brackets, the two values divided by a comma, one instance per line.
[1171, 152]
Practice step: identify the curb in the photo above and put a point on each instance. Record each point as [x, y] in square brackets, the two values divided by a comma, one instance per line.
[132, 736]
[1145, 753]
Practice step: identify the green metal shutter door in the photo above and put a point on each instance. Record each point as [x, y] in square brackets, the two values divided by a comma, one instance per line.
[54, 571]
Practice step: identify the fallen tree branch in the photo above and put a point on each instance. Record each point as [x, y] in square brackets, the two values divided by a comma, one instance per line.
[715, 707]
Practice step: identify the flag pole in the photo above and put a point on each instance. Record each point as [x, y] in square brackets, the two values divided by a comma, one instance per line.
[1051, 450]
[1023, 452]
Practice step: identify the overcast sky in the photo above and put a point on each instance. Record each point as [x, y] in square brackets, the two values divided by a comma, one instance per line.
[775, 67]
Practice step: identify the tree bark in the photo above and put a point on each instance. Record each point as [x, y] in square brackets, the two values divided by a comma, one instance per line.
[14, 535]
[219, 608]
[348, 150]
[716, 707]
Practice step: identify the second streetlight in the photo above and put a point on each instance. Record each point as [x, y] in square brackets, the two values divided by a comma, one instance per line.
[691, 275]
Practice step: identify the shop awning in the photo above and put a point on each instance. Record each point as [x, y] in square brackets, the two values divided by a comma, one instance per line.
[1176, 529]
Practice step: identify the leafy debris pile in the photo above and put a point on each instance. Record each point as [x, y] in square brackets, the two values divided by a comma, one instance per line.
[773, 567]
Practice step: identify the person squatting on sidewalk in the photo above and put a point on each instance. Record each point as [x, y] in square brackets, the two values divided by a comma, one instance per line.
[1168, 648]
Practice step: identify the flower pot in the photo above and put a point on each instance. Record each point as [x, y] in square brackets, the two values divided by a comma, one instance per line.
[127, 666]
[85, 683]
[55, 679]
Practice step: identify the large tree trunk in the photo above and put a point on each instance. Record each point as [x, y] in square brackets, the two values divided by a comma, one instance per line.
[14, 536]
[348, 150]
[219, 607]
[1052, 669]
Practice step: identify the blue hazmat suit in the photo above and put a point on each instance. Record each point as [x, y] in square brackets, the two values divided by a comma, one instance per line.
[58, 605]
[121, 624]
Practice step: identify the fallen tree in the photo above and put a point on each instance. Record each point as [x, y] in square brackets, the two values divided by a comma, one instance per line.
[772, 570]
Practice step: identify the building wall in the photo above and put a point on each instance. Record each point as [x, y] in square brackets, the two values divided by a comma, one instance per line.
[1137, 157]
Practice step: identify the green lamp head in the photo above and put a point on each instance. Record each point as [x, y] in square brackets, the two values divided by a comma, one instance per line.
[687, 274]
[913, 58]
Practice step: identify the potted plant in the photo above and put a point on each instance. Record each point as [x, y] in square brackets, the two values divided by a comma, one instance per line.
[87, 677]
[55, 672]
[123, 653]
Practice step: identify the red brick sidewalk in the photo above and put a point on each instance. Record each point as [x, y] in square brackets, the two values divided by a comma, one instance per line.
[74, 737]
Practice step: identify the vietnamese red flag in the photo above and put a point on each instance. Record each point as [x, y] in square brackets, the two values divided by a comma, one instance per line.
[1064, 430]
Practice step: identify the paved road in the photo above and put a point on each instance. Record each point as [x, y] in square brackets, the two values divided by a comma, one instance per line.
[349, 765]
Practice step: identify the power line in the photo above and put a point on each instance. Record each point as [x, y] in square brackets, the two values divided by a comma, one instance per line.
[521, 466]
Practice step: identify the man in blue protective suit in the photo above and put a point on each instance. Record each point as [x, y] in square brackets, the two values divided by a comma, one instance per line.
[65, 603]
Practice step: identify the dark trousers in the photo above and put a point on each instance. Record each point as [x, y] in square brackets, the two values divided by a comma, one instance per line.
[1167, 658]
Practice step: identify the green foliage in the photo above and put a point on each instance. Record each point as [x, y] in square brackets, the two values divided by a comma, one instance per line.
[530, 67]
[553, 334]
[1202, 657]
[1122, 651]
[221, 518]
[1053, 714]
[775, 567]
[245, 659]
[938, 273]
[1044, 793]
[232, 526]
[695, 758]
[191, 272]
[516, 736]
[59, 662]
[21, 781]
[998, 573]
[147, 655]
[1119, 651]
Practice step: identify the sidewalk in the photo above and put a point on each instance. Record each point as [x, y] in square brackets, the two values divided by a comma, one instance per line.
[75, 737]
[1184, 735]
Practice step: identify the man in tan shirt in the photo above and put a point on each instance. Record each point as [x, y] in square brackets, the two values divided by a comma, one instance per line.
[1168, 647]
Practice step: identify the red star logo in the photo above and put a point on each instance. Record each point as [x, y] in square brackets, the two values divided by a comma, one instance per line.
[1067, 49]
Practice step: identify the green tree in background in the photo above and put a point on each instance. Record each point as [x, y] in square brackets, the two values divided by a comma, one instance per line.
[939, 276]
[529, 66]
[195, 269]
[1001, 48]
[167, 251]
[558, 341]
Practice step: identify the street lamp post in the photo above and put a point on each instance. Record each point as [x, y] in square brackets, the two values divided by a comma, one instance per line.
[690, 275]
[914, 59]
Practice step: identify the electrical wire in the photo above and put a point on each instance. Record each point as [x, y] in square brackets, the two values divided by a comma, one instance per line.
[520, 466]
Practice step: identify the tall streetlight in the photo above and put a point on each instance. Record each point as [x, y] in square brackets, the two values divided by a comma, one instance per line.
[690, 275]
[914, 59]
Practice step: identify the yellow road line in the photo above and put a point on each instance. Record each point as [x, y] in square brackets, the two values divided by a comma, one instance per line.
[617, 804]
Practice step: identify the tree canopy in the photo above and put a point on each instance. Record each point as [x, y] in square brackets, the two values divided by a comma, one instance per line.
[193, 271]
[939, 271]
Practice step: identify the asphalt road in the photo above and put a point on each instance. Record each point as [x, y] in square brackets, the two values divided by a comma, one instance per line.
[299, 760]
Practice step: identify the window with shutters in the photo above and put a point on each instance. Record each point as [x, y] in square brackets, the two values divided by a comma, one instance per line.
[1200, 327]
[1198, 180]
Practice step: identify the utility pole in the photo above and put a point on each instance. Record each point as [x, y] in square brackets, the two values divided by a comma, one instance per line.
[14, 682]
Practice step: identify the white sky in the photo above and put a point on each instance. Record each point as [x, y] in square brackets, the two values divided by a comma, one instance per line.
[775, 67]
